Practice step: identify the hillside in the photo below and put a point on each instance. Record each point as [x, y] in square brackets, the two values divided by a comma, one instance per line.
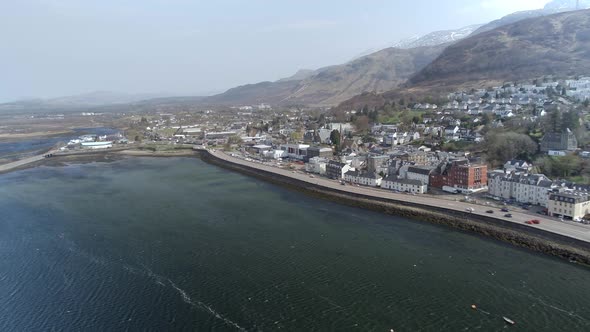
[557, 45]
[377, 72]
[437, 37]
[551, 45]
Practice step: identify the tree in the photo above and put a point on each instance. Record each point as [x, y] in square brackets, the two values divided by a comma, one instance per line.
[362, 123]
[570, 119]
[335, 138]
[502, 147]
[586, 102]
[234, 139]
[487, 118]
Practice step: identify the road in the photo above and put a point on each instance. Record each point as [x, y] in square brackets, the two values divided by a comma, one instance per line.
[569, 229]
[22, 162]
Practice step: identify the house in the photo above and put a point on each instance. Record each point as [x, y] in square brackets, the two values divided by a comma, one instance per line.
[336, 170]
[564, 141]
[451, 131]
[421, 174]
[365, 179]
[404, 185]
[517, 166]
[569, 205]
[375, 163]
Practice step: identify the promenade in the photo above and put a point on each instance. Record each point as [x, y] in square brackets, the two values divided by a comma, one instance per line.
[565, 228]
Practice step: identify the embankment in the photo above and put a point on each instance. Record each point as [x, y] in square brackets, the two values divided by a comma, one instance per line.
[535, 239]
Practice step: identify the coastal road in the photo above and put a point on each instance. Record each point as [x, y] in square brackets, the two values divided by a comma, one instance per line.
[22, 162]
[569, 229]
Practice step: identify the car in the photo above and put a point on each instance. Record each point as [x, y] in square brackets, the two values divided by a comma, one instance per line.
[490, 211]
[536, 221]
[504, 210]
[469, 209]
[525, 207]
[508, 215]
[528, 222]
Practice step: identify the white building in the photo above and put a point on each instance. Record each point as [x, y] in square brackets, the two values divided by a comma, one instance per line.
[421, 174]
[404, 185]
[97, 145]
[295, 151]
[522, 187]
[569, 205]
[366, 179]
[316, 165]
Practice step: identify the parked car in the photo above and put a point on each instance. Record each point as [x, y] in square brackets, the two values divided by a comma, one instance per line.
[508, 215]
[536, 221]
[490, 211]
[504, 210]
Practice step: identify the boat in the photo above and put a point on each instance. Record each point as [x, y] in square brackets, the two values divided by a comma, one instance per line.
[508, 320]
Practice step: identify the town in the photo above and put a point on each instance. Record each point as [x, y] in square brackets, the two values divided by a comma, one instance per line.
[519, 143]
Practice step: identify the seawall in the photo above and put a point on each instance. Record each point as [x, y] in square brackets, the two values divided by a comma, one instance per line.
[535, 239]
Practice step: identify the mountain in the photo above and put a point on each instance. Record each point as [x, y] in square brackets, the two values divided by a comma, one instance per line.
[96, 98]
[431, 39]
[377, 72]
[556, 45]
[437, 37]
[567, 4]
[553, 7]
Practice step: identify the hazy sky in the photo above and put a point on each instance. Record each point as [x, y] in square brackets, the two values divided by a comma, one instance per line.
[62, 47]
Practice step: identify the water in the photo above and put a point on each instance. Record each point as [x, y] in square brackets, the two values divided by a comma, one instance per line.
[176, 244]
[14, 149]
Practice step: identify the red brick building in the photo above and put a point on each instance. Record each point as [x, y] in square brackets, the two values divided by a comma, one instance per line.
[460, 174]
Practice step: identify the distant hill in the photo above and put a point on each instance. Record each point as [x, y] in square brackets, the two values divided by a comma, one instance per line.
[556, 45]
[92, 99]
[377, 72]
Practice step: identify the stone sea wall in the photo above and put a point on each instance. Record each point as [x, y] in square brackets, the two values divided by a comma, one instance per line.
[519, 235]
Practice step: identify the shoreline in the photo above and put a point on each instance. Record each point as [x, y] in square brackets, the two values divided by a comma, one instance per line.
[59, 159]
[519, 235]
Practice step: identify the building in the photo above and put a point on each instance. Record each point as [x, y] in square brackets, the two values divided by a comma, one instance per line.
[259, 149]
[568, 205]
[404, 185]
[295, 151]
[97, 145]
[376, 163]
[336, 170]
[317, 151]
[316, 165]
[461, 175]
[565, 141]
[522, 187]
[517, 166]
[365, 179]
[468, 177]
[421, 174]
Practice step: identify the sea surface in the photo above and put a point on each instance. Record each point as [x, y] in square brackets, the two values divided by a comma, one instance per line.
[176, 244]
[30, 146]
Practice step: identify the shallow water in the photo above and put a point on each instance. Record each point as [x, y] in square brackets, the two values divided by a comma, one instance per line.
[177, 244]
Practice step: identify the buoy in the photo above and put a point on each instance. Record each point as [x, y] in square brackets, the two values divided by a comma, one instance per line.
[474, 307]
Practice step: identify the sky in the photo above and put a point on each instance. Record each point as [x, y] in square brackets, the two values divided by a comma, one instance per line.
[51, 48]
